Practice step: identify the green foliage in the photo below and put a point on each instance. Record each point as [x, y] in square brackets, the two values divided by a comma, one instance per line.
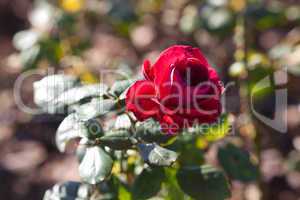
[265, 18]
[123, 121]
[257, 74]
[154, 154]
[120, 86]
[80, 191]
[118, 139]
[95, 166]
[203, 182]
[124, 193]
[148, 183]
[66, 132]
[237, 163]
[78, 94]
[51, 50]
[190, 154]
[50, 87]
[215, 131]
[95, 108]
[66, 22]
[174, 191]
[149, 131]
[72, 128]
[69, 191]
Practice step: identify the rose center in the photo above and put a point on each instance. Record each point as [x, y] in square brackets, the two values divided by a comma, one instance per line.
[194, 74]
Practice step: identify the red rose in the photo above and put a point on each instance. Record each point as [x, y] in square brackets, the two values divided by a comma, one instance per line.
[180, 89]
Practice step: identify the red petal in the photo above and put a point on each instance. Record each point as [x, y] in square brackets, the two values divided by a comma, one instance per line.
[139, 100]
[171, 124]
[147, 71]
[207, 111]
[177, 52]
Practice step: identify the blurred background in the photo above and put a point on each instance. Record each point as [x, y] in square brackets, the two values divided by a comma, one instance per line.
[244, 40]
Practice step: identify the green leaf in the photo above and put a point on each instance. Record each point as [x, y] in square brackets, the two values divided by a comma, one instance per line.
[148, 183]
[237, 163]
[77, 94]
[215, 131]
[123, 122]
[156, 155]
[69, 191]
[66, 22]
[203, 182]
[51, 49]
[95, 166]
[108, 189]
[120, 86]
[174, 191]
[123, 193]
[150, 131]
[190, 155]
[67, 131]
[50, 87]
[118, 139]
[71, 128]
[92, 129]
[97, 107]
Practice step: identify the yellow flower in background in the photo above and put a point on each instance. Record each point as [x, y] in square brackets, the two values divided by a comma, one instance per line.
[257, 59]
[237, 5]
[72, 5]
[116, 168]
[131, 159]
[88, 77]
[80, 69]
[201, 143]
